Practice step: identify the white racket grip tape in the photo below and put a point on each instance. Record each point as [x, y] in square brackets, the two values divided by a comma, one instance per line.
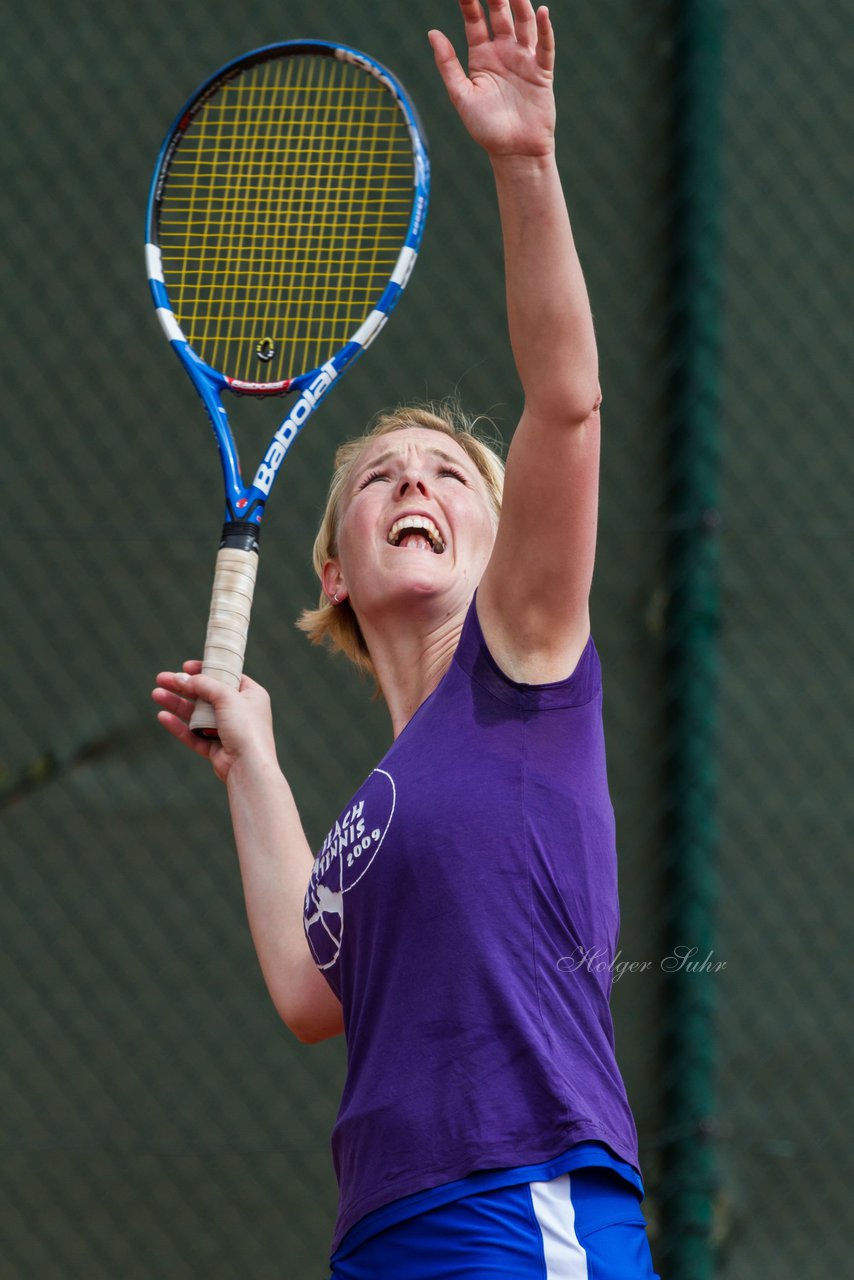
[228, 627]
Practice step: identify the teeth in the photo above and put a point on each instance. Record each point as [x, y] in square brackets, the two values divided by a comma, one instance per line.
[423, 524]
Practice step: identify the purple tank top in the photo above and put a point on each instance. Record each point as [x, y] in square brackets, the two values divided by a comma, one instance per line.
[473, 859]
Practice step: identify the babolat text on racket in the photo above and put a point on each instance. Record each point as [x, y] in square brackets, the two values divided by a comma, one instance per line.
[284, 219]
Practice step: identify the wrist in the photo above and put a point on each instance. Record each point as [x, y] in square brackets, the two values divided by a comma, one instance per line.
[524, 165]
[257, 764]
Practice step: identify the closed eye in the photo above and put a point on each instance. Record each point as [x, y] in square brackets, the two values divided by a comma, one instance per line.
[371, 476]
[452, 471]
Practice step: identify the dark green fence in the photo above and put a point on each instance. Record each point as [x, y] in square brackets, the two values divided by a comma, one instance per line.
[158, 1120]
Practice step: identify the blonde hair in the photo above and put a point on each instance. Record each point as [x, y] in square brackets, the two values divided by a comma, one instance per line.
[336, 625]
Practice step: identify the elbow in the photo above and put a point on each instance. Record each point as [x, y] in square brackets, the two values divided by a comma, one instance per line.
[571, 405]
[311, 1024]
[314, 1034]
[584, 406]
[303, 999]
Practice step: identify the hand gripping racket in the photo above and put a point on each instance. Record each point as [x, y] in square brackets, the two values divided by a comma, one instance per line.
[284, 219]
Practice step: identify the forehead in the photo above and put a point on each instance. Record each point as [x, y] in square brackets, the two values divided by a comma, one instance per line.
[413, 441]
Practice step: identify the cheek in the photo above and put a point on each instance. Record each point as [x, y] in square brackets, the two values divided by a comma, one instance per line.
[483, 539]
[350, 531]
[356, 535]
[488, 522]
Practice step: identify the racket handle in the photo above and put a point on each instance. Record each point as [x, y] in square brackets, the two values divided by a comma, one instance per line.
[228, 628]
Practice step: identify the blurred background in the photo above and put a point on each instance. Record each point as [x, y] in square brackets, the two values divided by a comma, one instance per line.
[157, 1118]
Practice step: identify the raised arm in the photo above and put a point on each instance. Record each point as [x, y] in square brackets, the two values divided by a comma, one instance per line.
[533, 598]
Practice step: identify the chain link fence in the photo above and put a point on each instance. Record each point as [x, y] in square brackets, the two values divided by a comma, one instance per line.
[158, 1120]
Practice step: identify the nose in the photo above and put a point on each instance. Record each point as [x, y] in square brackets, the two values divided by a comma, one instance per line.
[412, 480]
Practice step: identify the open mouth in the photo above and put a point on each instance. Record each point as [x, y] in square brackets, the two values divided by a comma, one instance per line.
[416, 533]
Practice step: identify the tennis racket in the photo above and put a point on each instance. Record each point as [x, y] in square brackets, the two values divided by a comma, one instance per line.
[284, 219]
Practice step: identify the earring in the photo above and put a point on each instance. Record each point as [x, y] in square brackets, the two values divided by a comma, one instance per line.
[336, 599]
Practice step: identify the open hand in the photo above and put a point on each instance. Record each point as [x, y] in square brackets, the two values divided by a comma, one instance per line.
[506, 101]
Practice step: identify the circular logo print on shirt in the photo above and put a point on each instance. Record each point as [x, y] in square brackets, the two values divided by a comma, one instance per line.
[345, 855]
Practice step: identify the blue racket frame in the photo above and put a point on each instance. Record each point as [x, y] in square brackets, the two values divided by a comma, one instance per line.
[245, 503]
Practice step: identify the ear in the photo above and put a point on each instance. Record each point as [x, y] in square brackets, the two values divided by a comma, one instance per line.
[332, 581]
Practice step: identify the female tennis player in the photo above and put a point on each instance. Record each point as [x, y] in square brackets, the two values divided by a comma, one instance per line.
[484, 1128]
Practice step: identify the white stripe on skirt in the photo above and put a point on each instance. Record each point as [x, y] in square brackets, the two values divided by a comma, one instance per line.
[566, 1258]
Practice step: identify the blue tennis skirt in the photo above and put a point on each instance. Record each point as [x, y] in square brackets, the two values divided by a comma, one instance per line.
[583, 1225]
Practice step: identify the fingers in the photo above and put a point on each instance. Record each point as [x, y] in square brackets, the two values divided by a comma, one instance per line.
[178, 727]
[177, 692]
[525, 22]
[477, 30]
[500, 18]
[176, 699]
[506, 18]
[518, 19]
[171, 702]
[454, 78]
[191, 683]
[172, 692]
[176, 708]
[545, 40]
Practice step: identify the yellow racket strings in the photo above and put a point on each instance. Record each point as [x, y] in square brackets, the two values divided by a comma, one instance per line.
[284, 210]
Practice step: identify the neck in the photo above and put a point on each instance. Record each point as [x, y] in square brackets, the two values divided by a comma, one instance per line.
[410, 656]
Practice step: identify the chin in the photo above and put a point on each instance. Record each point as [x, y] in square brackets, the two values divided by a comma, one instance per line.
[421, 584]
